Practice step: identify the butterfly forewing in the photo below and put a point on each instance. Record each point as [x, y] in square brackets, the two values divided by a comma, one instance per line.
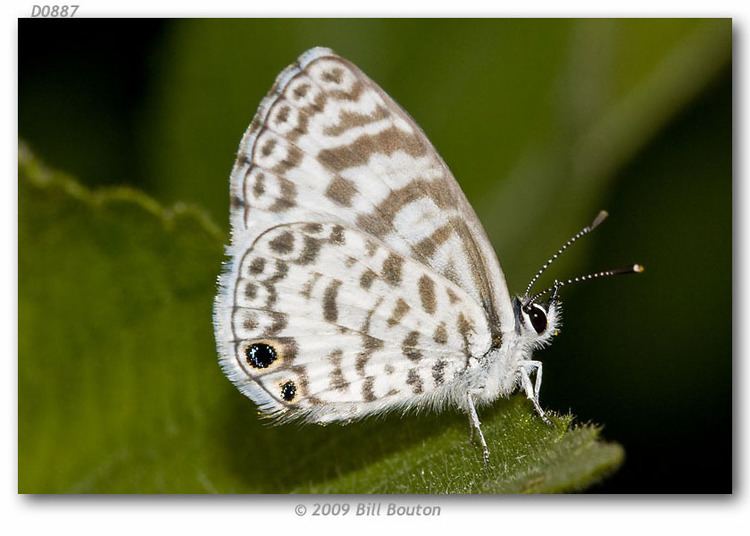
[357, 222]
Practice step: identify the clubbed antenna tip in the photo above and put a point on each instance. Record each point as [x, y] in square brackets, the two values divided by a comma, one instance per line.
[599, 219]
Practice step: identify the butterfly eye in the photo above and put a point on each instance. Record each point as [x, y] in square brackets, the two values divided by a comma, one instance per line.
[260, 355]
[538, 318]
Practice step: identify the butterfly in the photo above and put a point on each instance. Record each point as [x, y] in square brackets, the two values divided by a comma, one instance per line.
[359, 279]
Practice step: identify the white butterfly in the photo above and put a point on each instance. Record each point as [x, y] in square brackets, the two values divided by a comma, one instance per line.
[360, 279]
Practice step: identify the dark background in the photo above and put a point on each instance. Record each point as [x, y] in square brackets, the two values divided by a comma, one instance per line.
[649, 357]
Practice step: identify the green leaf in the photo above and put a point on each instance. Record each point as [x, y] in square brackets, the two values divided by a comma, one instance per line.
[120, 390]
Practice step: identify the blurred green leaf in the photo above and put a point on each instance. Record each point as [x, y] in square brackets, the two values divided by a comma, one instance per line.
[120, 391]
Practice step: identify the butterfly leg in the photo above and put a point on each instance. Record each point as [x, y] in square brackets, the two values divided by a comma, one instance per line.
[532, 391]
[475, 426]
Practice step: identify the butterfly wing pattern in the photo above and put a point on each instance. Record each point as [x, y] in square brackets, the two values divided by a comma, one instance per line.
[360, 279]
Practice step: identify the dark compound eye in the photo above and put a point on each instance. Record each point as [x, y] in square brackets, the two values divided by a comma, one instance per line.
[260, 355]
[288, 390]
[538, 318]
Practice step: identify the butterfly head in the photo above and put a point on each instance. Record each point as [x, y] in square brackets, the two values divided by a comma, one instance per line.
[537, 321]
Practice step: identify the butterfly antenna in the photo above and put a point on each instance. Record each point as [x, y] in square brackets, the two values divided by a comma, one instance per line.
[583, 232]
[633, 269]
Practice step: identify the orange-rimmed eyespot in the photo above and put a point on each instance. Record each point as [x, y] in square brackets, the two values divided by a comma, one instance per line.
[288, 390]
[260, 355]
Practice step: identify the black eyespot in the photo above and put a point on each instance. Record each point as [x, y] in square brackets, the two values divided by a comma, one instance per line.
[538, 317]
[288, 390]
[260, 355]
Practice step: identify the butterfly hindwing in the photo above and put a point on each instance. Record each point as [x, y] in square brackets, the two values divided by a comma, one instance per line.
[351, 326]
